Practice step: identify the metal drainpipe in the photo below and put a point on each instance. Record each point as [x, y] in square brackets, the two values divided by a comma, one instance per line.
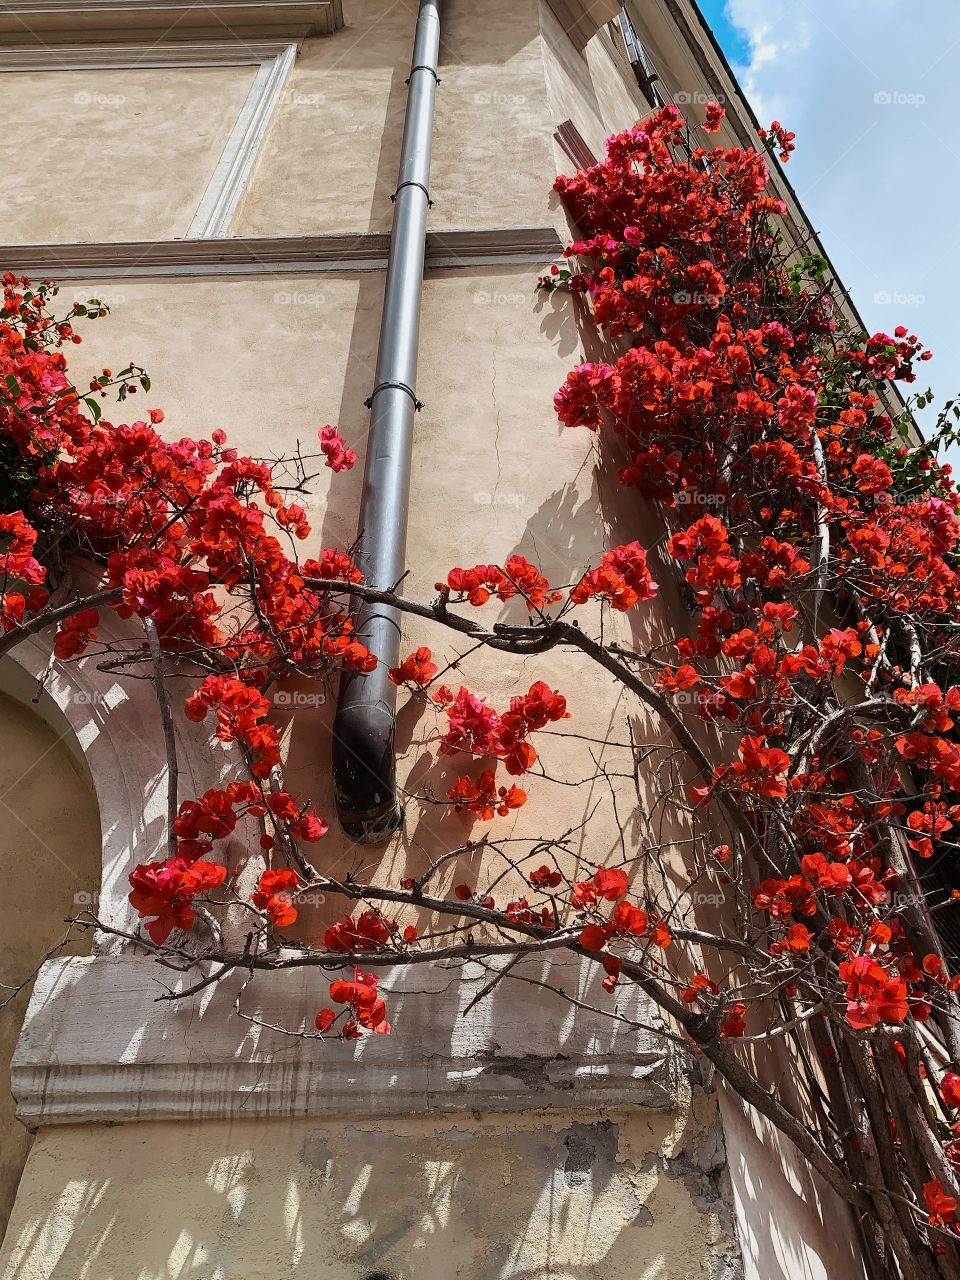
[364, 729]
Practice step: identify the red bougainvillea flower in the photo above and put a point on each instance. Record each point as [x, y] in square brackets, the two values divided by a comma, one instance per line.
[700, 986]
[609, 884]
[735, 1023]
[368, 1008]
[273, 896]
[518, 577]
[714, 116]
[950, 1088]
[585, 391]
[164, 891]
[417, 668]
[622, 578]
[777, 136]
[325, 1020]
[484, 798]
[334, 448]
[371, 931]
[941, 1208]
[479, 729]
[872, 994]
[76, 633]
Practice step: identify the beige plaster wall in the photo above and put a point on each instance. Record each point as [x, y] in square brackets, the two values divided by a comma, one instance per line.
[114, 154]
[49, 854]
[630, 1196]
[330, 161]
[789, 1223]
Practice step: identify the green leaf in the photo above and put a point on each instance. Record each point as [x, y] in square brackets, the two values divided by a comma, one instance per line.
[93, 407]
[13, 386]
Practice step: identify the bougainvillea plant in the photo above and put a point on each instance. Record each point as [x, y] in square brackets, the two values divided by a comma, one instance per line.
[814, 540]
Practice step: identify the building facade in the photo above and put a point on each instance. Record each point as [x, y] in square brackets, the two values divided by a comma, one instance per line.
[221, 175]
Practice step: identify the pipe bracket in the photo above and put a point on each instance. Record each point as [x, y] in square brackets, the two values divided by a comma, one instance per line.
[422, 67]
[397, 386]
[411, 183]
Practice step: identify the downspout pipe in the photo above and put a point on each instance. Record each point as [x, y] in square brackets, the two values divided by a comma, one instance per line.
[364, 728]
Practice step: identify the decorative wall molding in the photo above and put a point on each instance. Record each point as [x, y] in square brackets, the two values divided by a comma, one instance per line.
[226, 188]
[518, 1049]
[228, 183]
[39, 19]
[348, 251]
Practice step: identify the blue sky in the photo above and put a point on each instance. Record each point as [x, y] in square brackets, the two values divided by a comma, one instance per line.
[734, 41]
[872, 90]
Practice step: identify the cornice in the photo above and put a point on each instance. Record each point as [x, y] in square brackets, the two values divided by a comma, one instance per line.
[348, 251]
[26, 20]
[516, 1049]
[104, 54]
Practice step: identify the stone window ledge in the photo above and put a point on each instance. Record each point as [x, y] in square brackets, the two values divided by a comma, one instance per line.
[517, 1049]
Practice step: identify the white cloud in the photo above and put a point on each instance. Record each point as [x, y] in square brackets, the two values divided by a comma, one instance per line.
[872, 91]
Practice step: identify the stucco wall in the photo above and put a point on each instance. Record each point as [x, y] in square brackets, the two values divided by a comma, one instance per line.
[630, 1196]
[330, 162]
[49, 854]
[112, 154]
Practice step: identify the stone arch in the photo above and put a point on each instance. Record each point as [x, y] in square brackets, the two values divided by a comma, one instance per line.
[111, 724]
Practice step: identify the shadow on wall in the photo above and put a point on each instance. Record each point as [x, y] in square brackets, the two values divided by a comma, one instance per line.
[49, 868]
[532, 1198]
